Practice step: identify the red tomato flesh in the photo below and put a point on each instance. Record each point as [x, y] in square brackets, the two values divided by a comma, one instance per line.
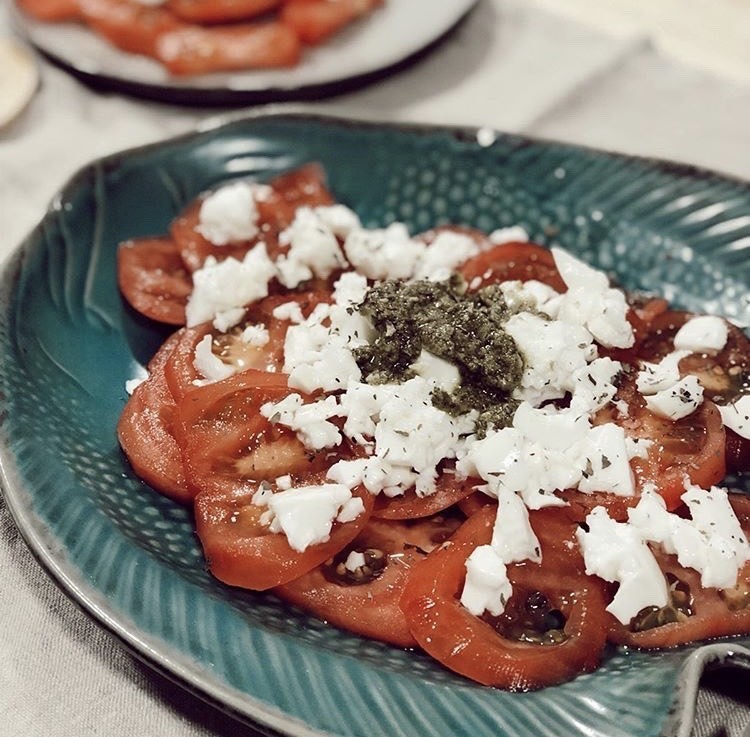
[153, 279]
[478, 650]
[366, 601]
[146, 431]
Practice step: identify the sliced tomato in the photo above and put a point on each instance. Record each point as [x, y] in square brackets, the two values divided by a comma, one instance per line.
[205, 49]
[510, 262]
[477, 500]
[724, 375]
[448, 491]
[180, 370]
[128, 24]
[510, 651]
[276, 209]
[366, 600]
[242, 551]
[314, 21]
[641, 314]
[580, 504]
[220, 11]
[153, 278]
[145, 431]
[226, 443]
[301, 187]
[694, 613]
[693, 447]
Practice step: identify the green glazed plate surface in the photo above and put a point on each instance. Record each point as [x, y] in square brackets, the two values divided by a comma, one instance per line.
[130, 557]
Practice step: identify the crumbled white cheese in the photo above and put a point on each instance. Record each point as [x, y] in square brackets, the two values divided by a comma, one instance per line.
[514, 234]
[554, 352]
[412, 433]
[309, 420]
[375, 474]
[527, 295]
[346, 322]
[284, 482]
[351, 509]
[702, 334]
[255, 335]
[712, 542]
[388, 253]
[447, 251]
[354, 560]
[290, 311]
[679, 400]
[230, 215]
[615, 551]
[656, 377]
[512, 535]
[545, 451]
[439, 372]
[228, 319]
[736, 416]
[228, 284]
[339, 219]
[208, 364]
[262, 495]
[607, 454]
[306, 514]
[140, 374]
[313, 249]
[487, 586]
[590, 301]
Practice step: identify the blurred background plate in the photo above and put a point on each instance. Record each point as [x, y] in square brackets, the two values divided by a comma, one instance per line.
[130, 558]
[377, 45]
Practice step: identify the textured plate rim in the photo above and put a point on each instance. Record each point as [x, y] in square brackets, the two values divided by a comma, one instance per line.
[167, 659]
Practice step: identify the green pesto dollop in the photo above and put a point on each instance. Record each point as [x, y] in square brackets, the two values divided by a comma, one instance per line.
[463, 328]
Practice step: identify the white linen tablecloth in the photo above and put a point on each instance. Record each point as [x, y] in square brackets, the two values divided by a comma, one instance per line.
[513, 66]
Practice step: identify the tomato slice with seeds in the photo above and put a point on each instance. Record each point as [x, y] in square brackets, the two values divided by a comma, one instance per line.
[226, 443]
[512, 651]
[693, 447]
[180, 370]
[229, 449]
[304, 186]
[510, 262]
[724, 375]
[694, 613]
[365, 600]
[242, 551]
[153, 279]
[145, 431]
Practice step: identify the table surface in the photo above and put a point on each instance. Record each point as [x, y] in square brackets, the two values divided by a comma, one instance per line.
[513, 66]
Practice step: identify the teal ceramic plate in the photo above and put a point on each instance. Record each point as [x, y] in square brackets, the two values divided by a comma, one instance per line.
[130, 557]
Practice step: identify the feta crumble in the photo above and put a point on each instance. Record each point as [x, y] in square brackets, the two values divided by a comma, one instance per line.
[736, 416]
[230, 215]
[221, 286]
